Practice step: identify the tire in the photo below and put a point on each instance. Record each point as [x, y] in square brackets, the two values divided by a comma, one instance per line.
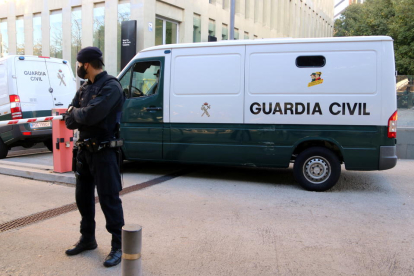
[49, 144]
[4, 150]
[317, 169]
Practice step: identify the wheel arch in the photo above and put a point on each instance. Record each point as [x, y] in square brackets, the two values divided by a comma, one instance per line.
[309, 142]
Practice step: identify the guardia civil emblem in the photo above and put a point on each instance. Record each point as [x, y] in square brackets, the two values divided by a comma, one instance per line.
[316, 79]
[60, 76]
[205, 107]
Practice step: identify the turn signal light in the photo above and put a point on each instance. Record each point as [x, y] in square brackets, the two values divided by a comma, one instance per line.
[392, 125]
[15, 107]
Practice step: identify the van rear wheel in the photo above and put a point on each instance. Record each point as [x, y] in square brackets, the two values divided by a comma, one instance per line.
[317, 169]
[4, 150]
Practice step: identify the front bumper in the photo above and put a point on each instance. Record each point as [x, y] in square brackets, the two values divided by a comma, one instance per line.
[388, 157]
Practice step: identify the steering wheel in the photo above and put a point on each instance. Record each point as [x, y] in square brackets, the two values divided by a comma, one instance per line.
[139, 92]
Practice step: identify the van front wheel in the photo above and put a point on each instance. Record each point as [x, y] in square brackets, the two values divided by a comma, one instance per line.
[317, 169]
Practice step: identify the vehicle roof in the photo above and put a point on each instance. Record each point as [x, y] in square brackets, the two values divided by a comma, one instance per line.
[31, 56]
[288, 40]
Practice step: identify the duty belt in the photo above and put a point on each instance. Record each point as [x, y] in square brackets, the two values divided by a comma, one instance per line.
[92, 145]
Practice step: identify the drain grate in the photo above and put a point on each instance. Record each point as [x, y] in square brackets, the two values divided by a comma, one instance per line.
[27, 220]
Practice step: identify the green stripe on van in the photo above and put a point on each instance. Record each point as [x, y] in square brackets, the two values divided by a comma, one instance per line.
[270, 145]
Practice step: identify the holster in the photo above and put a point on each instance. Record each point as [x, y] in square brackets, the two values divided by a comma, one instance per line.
[74, 158]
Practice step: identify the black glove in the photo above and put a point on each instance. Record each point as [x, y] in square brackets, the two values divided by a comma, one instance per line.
[64, 116]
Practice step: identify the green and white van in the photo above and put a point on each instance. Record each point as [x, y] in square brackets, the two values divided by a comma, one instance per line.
[316, 102]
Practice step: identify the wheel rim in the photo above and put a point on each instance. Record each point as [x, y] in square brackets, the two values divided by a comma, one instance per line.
[316, 169]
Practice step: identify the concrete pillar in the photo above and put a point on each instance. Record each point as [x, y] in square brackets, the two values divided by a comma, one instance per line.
[282, 18]
[11, 28]
[111, 38]
[45, 29]
[28, 33]
[66, 30]
[87, 23]
[143, 11]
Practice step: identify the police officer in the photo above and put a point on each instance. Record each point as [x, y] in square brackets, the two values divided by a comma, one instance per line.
[95, 112]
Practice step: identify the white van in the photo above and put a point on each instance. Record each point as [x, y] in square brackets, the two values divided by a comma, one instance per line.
[316, 102]
[31, 86]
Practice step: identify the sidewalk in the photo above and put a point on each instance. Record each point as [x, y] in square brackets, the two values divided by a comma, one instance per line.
[222, 221]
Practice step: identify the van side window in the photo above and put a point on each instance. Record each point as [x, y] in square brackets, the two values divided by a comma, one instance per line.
[310, 61]
[145, 77]
[125, 82]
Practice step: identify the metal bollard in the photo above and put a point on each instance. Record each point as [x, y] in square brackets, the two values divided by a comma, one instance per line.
[131, 250]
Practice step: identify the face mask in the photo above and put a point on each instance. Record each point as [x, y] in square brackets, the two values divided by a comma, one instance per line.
[81, 72]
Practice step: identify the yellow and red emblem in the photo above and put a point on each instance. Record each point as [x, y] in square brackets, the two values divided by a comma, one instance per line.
[316, 79]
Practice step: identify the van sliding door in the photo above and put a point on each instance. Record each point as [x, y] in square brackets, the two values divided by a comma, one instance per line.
[206, 105]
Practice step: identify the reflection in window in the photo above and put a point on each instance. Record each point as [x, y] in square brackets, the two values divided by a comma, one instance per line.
[56, 34]
[196, 28]
[246, 35]
[99, 27]
[4, 38]
[76, 35]
[225, 32]
[145, 79]
[20, 35]
[166, 32]
[170, 32]
[159, 32]
[37, 34]
[236, 34]
[124, 14]
[212, 28]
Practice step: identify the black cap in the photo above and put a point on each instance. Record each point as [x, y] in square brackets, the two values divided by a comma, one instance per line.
[89, 54]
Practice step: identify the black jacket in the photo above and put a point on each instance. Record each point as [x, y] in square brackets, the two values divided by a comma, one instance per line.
[97, 108]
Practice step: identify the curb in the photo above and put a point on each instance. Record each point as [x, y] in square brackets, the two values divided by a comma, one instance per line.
[35, 172]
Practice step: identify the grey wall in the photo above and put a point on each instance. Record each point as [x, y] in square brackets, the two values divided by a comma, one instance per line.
[405, 143]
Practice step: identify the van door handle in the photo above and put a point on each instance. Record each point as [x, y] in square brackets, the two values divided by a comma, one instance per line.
[153, 108]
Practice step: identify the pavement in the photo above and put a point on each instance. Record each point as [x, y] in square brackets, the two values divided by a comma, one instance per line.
[219, 221]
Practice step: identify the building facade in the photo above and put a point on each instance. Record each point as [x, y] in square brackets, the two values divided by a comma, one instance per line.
[60, 28]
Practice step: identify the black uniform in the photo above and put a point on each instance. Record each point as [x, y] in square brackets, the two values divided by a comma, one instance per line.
[96, 111]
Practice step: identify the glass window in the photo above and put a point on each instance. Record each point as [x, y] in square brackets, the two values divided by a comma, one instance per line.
[76, 35]
[159, 33]
[56, 34]
[4, 38]
[20, 35]
[236, 34]
[225, 32]
[124, 14]
[246, 35]
[310, 61]
[99, 27]
[37, 34]
[405, 101]
[125, 82]
[255, 37]
[211, 27]
[196, 28]
[166, 32]
[145, 79]
[212, 1]
[170, 32]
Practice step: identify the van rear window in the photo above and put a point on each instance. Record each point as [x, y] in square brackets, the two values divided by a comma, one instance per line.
[310, 61]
